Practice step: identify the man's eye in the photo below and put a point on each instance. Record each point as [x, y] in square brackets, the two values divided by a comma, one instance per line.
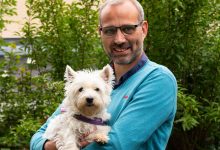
[109, 31]
[128, 29]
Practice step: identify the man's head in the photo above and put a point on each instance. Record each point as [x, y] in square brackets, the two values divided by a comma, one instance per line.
[117, 2]
[122, 29]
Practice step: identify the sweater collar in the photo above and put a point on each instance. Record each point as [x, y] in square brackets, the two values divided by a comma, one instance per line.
[132, 71]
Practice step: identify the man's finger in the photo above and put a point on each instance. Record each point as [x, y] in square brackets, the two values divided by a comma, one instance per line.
[83, 143]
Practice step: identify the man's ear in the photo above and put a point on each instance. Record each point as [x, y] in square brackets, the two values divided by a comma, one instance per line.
[145, 28]
[99, 29]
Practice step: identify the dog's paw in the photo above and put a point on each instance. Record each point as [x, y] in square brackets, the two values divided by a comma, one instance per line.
[101, 138]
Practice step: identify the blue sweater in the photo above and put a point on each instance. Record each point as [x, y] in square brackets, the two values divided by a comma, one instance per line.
[142, 111]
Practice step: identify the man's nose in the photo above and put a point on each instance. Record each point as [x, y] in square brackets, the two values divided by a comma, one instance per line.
[119, 37]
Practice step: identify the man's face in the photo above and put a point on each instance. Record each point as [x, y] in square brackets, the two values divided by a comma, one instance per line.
[122, 48]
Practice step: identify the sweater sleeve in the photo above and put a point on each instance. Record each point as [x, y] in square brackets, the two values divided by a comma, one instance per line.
[146, 121]
[37, 141]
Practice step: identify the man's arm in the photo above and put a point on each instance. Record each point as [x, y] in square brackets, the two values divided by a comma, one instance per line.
[37, 141]
[147, 120]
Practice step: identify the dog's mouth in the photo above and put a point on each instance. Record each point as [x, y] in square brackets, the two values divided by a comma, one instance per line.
[89, 109]
[89, 104]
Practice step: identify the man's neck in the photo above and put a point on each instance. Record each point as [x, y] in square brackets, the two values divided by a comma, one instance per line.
[120, 70]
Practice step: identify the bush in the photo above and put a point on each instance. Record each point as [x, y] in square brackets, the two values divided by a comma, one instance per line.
[183, 35]
[66, 34]
[26, 101]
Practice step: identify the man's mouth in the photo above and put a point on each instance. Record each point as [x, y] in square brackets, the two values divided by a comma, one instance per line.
[120, 49]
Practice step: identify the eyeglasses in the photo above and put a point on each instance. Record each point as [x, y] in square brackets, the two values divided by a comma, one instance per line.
[125, 29]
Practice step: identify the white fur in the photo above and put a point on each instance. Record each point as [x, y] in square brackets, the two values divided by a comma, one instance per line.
[64, 129]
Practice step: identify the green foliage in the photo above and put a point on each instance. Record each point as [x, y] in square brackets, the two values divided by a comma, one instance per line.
[197, 123]
[26, 101]
[188, 110]
[7, 8]
[192, 113]
[183, 35]
[22, 132]
[66, 35]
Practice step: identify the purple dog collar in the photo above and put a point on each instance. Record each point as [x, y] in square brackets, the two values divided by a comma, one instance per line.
[95, 121]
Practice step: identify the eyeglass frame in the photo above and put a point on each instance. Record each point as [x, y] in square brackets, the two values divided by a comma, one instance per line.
[120, 27]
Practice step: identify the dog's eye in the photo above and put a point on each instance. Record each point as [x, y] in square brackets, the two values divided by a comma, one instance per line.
[97, 89]
[81, 89]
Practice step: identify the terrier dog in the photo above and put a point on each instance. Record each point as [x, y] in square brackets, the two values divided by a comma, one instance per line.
[87, 95]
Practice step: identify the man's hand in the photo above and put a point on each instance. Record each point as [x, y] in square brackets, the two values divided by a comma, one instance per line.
[83, 144]
[50, 145]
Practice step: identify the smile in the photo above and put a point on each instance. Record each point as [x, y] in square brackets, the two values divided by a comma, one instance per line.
[120, 50]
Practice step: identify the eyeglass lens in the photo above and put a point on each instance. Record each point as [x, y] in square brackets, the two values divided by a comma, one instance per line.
[127, 29]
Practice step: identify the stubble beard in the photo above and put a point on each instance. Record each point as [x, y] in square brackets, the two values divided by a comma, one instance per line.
[125, 59]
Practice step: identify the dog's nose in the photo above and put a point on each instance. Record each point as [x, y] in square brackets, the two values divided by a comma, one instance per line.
[89, 100]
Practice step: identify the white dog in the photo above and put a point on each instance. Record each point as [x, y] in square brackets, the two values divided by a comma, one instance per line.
[87, 94]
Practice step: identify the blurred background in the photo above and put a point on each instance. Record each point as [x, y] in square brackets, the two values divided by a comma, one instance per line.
[38, 38]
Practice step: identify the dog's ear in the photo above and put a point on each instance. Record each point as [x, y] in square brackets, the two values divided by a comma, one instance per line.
[69, 74]
[107, 74]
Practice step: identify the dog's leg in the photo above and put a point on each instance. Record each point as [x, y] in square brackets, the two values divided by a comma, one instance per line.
[69, 140]
[101, 136]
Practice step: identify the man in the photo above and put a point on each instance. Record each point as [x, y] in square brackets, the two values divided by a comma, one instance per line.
[143, 102]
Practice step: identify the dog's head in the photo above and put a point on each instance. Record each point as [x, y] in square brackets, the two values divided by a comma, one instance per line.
[88, 92]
